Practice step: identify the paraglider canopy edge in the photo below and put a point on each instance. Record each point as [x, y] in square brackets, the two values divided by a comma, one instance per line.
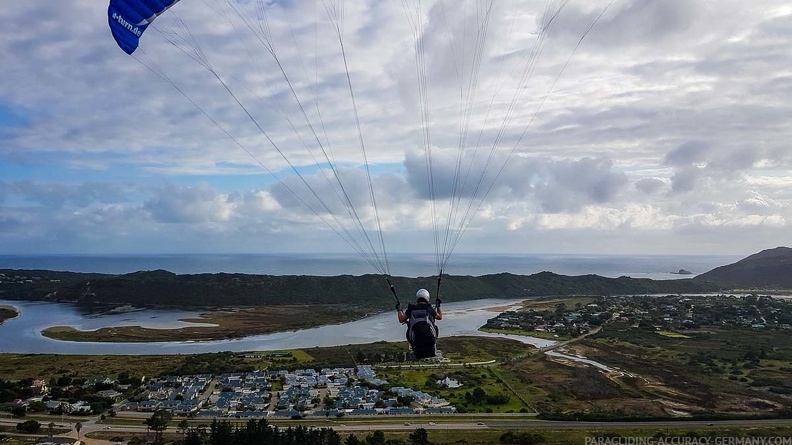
[128, 19]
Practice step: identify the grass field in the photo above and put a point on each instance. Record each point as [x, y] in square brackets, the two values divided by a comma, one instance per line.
[672, 334]
[550, 303]
[47, 366]
[731, 369]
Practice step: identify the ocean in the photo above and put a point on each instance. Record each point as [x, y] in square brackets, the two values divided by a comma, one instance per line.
[658, 267]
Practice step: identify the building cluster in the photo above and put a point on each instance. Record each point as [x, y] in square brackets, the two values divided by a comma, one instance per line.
[280, 393]
[653, 311]
[22, 279]
[691, 312]
[559, 322]
[41, 395]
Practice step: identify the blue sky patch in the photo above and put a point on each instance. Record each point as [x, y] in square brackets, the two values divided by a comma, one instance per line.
[11, 116]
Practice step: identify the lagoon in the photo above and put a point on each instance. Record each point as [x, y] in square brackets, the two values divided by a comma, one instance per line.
[23, 334]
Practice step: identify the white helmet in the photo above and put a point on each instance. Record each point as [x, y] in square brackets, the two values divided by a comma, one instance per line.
[422, 294]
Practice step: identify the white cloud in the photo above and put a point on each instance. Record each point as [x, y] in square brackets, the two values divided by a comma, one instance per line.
[669, 128]
[198, 204]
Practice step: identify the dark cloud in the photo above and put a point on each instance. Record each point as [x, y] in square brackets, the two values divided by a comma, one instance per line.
[735, 161]
[574, 184]
[557, 185]
[688, 153]
[684, 180]
[629, 23]
[650, 186]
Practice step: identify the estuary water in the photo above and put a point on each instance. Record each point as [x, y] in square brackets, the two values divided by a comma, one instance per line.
[23, 334]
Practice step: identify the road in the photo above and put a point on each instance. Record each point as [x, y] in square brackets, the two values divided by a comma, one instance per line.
[409, 424]
[88, 425]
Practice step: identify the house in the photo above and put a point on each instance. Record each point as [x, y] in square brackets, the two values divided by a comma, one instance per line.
[56, 405]
[449, 383]
[100, 380]
[39, 387]
[80, 407]
[149, 405]
[111, 394]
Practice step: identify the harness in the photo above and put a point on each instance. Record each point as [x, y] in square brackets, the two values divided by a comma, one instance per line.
[421, 329]
[422, 332]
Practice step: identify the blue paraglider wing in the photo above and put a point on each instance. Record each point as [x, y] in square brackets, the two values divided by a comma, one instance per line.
[129, 19]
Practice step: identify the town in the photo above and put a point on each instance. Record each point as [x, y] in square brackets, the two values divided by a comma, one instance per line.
[301, 393]
[294, 394]
[660, 313]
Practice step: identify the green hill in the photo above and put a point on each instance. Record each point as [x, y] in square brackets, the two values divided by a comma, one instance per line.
[163, 288]
[771, 268]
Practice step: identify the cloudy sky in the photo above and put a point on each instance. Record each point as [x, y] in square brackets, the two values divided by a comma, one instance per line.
[667, 131]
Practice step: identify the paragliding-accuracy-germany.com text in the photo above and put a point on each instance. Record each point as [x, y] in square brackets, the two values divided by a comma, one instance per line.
[774, 440]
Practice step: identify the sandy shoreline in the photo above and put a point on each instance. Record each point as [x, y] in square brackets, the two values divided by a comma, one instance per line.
[5, 309]
[10, 308]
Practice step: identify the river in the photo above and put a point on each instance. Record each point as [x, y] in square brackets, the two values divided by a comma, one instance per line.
[23, 334]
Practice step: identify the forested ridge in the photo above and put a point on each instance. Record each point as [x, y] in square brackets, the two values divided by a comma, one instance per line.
[768, 268]
[163, 288]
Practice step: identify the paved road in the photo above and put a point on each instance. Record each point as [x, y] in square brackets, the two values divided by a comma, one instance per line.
[355, 424]
[369, 424]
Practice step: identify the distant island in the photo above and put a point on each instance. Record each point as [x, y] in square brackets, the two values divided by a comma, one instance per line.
[683, 272]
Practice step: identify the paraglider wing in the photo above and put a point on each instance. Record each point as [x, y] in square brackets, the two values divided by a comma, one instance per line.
[129, 19]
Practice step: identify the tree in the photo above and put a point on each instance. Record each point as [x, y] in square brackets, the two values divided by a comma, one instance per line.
[51, 428]
[28, 426]
[64, 381]
[478, 397]
[183, 426]
[37, 407]
[18, 411]
[352, 440]
[78, 427]
[376, 438]
[193, 437]
[405, 400]
[158, 422]
[419, 437]
[220, 433]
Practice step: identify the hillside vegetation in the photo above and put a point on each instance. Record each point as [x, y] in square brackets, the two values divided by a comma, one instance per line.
[771, 268]
[159, 287]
